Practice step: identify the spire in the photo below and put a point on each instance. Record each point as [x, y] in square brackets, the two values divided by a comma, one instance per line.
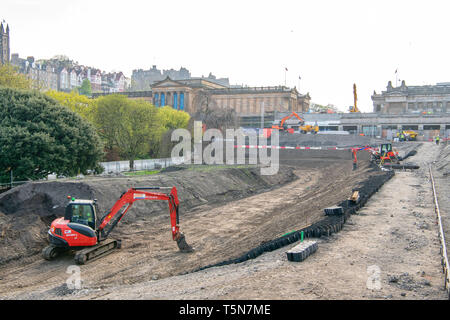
[7, 28]
[1, 28]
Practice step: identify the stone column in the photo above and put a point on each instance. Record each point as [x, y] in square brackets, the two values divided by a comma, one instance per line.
[187, 103]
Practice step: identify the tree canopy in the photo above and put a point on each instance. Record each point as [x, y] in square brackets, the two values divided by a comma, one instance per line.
[315, 107]
[78, 103]
[85, 88]
[39, 137]
[10, 78]
[173, 119]
[130, 125]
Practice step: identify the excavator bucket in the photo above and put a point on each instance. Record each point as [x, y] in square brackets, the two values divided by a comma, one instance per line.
[183, 245]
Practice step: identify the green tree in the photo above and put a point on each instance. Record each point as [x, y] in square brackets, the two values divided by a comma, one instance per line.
[315, 107]
[170, 120]
[86, 88]
[39, 137]
[173, 119]
[10, 78]
[130, 125]
[78, 103]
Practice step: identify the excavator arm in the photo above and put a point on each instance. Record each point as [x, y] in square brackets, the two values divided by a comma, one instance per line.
[134, 194]
[281, 125]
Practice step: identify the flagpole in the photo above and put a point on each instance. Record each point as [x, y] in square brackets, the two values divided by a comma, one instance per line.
[396, 77]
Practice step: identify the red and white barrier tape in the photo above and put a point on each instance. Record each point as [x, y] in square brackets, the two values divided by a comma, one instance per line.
[293, 148]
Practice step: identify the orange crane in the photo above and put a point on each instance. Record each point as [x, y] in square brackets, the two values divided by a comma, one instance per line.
[355, 99]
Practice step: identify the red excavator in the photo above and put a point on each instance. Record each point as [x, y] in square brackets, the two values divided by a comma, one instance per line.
[385, 154]
[79, 229]
[301, 125]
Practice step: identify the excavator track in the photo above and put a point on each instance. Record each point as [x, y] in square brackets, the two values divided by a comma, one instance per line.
[97, 251]
[51, 252]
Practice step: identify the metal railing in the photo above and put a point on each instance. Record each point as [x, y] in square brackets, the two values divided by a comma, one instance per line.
[9, 185]
[444, 260]
[146, 164]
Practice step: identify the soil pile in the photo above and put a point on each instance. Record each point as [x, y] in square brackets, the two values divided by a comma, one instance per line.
[27, 211]
[443, 162]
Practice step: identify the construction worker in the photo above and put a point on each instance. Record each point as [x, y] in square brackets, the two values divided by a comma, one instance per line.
[437, 139]
[402, 137]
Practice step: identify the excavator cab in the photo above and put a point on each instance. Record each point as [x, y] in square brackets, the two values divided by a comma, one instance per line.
[82, 212]
[385, 149]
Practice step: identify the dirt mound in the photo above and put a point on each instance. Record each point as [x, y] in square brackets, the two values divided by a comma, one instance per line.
[27, 211]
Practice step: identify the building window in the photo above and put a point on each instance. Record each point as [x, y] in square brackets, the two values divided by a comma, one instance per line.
[431, 127]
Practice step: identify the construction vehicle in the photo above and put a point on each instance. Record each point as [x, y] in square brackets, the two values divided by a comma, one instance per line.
[410, 135]
[80, 229]
[354, 108]
[301, 125]
[309, 128]
[385, 154]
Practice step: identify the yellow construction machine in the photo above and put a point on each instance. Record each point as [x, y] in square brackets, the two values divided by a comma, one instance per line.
[309, 128]
[355, 98]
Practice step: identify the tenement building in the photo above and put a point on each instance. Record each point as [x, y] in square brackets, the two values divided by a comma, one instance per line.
[430, 99]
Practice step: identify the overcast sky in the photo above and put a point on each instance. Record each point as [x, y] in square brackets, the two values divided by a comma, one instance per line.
[330, 44]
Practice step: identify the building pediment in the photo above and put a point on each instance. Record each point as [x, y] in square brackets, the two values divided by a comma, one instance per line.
[168, 83]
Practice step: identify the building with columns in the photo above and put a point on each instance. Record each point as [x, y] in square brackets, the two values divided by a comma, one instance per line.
[192, 94]
[405, 99]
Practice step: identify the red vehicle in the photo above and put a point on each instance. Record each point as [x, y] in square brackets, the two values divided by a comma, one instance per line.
[385, 154]
[80, 229]
[282, 126]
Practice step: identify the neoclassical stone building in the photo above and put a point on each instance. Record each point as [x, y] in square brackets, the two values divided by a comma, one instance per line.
[192, 94]
[413, 99]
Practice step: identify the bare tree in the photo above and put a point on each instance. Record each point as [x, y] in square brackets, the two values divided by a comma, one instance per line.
[211, 115]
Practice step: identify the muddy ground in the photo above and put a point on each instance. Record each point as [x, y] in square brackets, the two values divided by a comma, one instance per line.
[395, 232]
[27, 211]
[388, 251]
[219, 222]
